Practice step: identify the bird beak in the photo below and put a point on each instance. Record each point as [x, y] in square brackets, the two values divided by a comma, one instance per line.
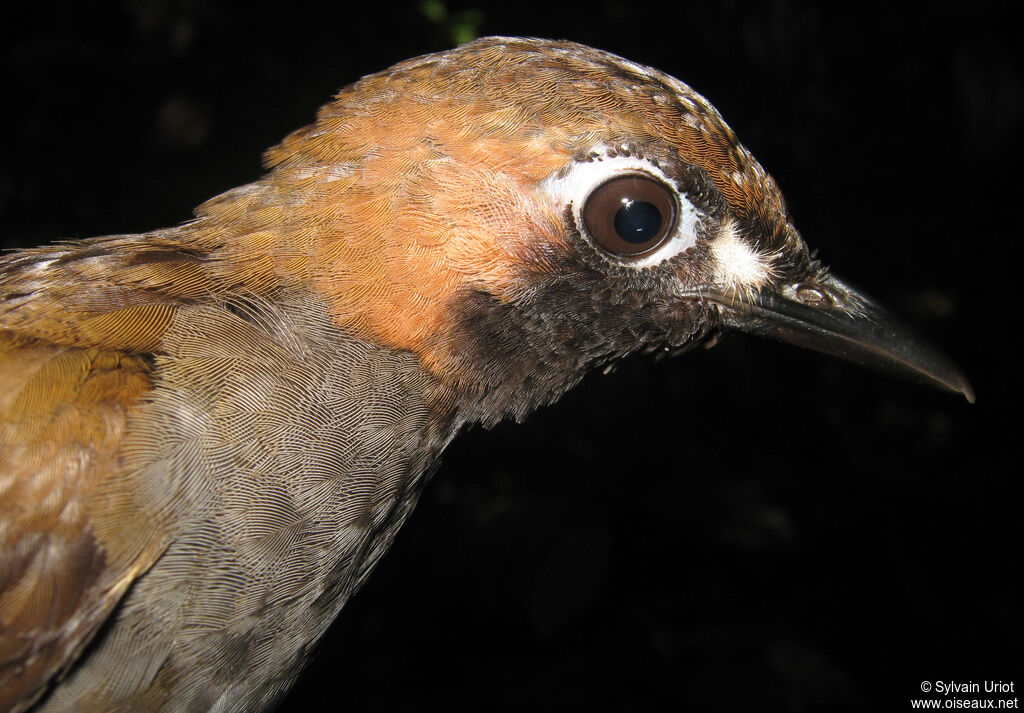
[830, 317]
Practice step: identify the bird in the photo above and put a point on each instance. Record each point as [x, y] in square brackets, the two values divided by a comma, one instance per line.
[211, 433]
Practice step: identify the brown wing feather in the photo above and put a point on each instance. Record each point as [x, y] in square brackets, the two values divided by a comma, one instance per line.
[63, 413]
[74, 335]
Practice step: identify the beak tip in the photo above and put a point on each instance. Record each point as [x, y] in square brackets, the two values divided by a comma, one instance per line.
[852, 327]
[944, 374]
[968, 391]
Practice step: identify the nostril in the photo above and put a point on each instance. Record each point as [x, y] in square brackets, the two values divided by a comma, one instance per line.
[813, 295]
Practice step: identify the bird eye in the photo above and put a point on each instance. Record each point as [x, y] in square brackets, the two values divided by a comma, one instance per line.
[630, 215]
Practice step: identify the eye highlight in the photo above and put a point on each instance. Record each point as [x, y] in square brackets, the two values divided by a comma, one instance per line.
[630, 215]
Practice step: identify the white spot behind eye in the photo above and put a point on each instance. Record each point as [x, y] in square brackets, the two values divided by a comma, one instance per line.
[574, 186]
[737, 265]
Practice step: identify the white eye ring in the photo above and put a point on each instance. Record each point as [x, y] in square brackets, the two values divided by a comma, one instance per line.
[574, 186]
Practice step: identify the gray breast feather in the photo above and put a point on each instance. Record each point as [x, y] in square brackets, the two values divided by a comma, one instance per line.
[289, 453]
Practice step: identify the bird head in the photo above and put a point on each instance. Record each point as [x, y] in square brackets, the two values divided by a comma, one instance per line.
[516, 212]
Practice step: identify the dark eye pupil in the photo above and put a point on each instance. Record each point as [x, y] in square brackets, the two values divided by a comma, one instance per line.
[630, 215]
[637, 221]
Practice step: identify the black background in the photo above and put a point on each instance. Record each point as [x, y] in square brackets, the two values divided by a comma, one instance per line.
[748, 528]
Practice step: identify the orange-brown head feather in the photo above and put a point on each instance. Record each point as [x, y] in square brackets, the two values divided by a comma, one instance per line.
[422, 181]
[413, 186]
